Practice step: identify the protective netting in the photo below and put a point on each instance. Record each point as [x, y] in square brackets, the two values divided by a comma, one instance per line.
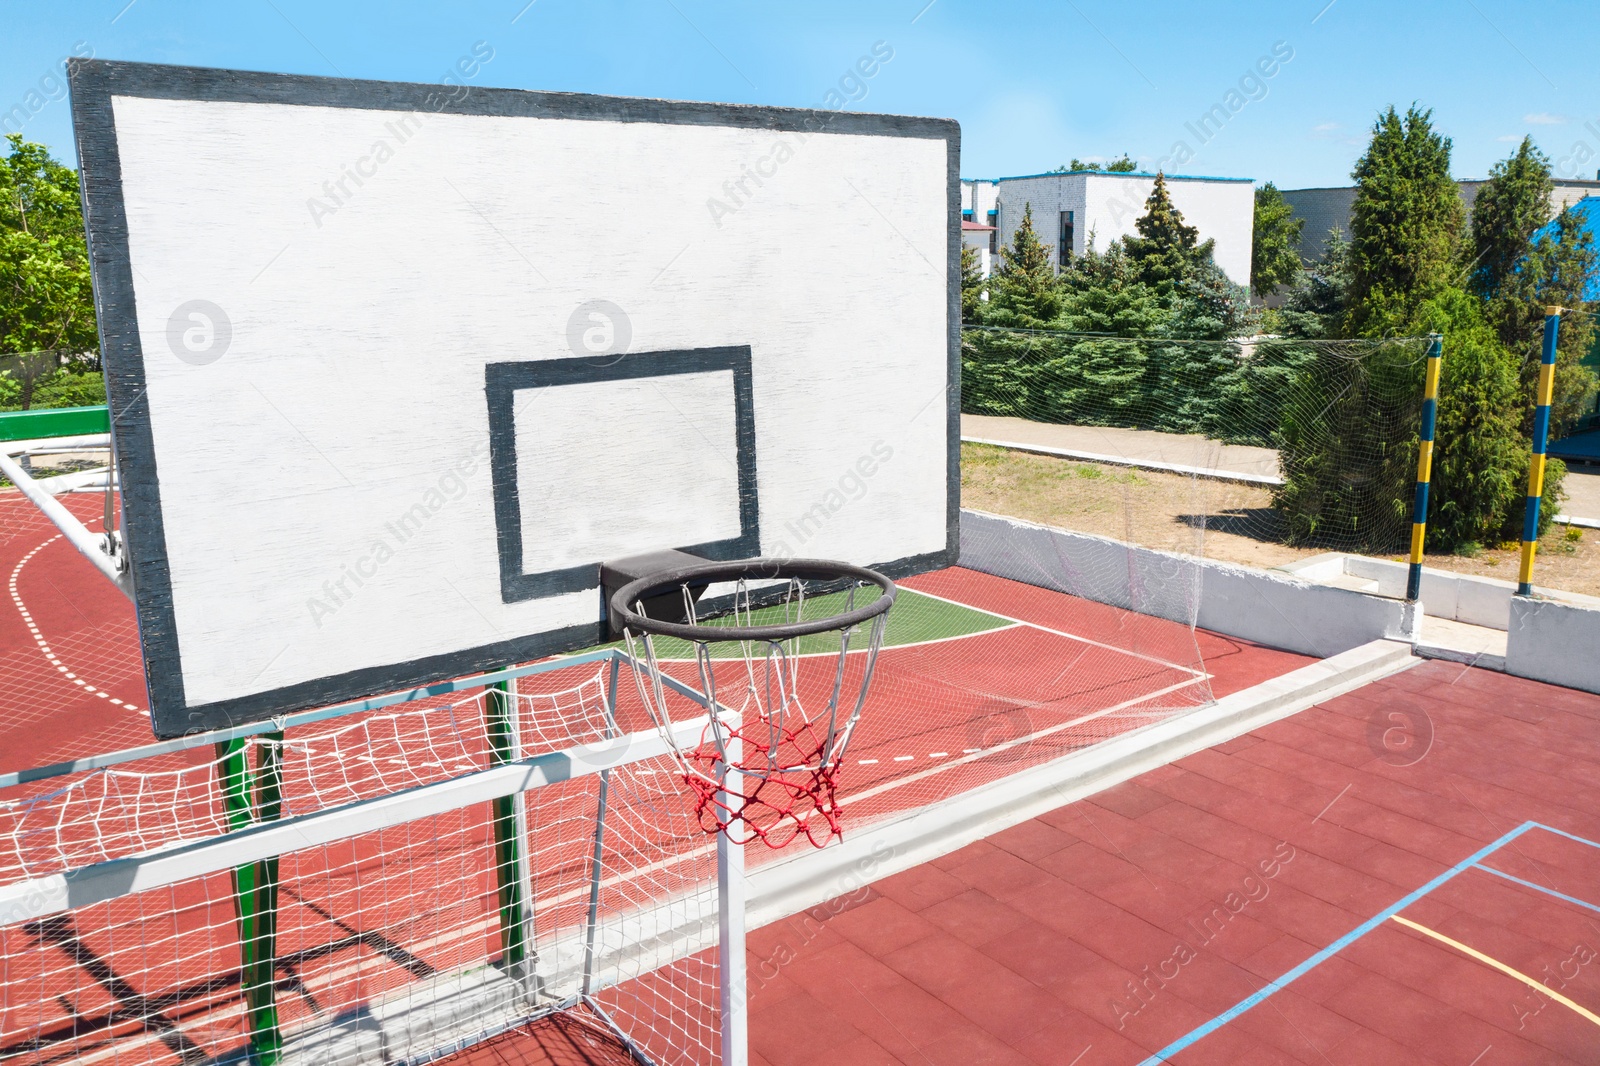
[1189, 446]
[767, 763]
[398, 943]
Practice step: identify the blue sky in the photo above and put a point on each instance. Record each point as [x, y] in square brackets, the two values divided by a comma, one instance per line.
[1032, 84]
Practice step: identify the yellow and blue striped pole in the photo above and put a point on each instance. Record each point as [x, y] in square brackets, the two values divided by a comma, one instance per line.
[1541, 435]
[1419, 506]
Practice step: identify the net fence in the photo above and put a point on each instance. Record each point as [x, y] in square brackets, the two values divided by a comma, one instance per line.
[1299, 443]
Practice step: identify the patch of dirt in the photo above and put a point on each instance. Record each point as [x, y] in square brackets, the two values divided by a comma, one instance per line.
[1227, 521]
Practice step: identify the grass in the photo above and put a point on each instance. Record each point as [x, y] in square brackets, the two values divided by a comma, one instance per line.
[914, 619]
[976, 457]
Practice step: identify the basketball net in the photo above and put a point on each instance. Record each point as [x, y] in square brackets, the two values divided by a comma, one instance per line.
[781, 708]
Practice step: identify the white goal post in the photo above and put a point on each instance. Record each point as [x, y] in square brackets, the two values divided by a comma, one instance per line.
[635, 925]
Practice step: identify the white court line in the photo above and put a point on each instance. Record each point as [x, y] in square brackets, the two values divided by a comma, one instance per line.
[38, 637]
[1074, 636]
[985, 752]
[972, 755]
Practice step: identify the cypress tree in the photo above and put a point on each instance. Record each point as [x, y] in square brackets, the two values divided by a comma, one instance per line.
[1405, 224]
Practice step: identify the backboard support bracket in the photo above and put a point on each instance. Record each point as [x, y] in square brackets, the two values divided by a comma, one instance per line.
[106, 551]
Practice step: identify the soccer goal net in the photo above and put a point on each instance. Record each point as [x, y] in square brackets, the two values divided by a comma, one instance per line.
[382, 887]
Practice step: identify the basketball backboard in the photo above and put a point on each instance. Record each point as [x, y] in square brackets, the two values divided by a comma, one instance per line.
[393, 368]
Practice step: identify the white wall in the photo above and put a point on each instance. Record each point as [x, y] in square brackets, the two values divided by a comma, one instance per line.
[1108, 205]
[1554, 642]
[978, 241]
[1270, 608]
[977, 196]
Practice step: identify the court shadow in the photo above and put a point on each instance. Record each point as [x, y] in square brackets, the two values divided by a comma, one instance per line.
[1257, 523]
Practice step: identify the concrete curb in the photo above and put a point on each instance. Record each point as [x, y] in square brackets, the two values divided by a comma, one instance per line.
[792, 885]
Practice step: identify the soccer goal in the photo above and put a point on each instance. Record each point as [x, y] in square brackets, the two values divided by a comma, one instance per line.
[396, 883]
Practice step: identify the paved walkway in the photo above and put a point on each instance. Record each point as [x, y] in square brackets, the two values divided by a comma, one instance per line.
[1369, 864]
[1191, 453]
[1138, 447]
[1583, 495]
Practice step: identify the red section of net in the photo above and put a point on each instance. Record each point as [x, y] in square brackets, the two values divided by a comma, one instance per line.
[772, 806]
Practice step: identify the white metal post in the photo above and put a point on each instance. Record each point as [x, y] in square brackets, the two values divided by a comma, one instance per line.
[730, 926]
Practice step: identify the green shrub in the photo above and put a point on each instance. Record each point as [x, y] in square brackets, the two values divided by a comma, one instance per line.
[62, 388]
[1347, 448]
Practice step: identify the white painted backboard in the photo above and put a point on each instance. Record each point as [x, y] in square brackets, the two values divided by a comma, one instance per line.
[709, 327]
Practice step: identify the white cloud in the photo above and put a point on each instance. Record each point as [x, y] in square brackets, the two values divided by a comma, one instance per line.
[1324, 127]
[1544, 118]
[1510, 138]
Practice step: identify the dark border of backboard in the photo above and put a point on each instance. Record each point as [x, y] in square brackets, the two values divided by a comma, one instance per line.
[94, 82]
[502, 382]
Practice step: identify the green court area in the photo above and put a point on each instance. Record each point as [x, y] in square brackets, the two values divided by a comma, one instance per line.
[915, 618]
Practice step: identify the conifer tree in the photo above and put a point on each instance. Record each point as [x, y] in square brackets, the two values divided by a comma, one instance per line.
[1510, 207]
[1405, 224]
[1167, 249]
[972, 286]
[1275, 241]
[1521, 265]
[1026, 292]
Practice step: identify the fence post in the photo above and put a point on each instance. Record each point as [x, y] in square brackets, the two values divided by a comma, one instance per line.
[267, 1041]
[1419, 505]
[1541, 435]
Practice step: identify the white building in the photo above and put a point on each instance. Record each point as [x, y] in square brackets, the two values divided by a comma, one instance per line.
[980, 237]
[1073, 209]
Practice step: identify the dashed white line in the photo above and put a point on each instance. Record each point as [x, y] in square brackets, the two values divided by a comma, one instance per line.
[38, 638]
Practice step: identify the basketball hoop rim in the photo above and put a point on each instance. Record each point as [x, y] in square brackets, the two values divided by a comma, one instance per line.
[769, 569]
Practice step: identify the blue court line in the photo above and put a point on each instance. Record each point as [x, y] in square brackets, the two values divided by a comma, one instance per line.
[1564, 833]
[1539, 888]
[1343, 942]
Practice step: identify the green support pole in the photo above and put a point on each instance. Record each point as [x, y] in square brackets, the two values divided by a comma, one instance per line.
[498, 708]
[255, 892]
[267, 1040]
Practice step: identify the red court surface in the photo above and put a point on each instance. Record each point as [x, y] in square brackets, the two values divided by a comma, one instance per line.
[1138, 921]
[72, 678]
[950, 715]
